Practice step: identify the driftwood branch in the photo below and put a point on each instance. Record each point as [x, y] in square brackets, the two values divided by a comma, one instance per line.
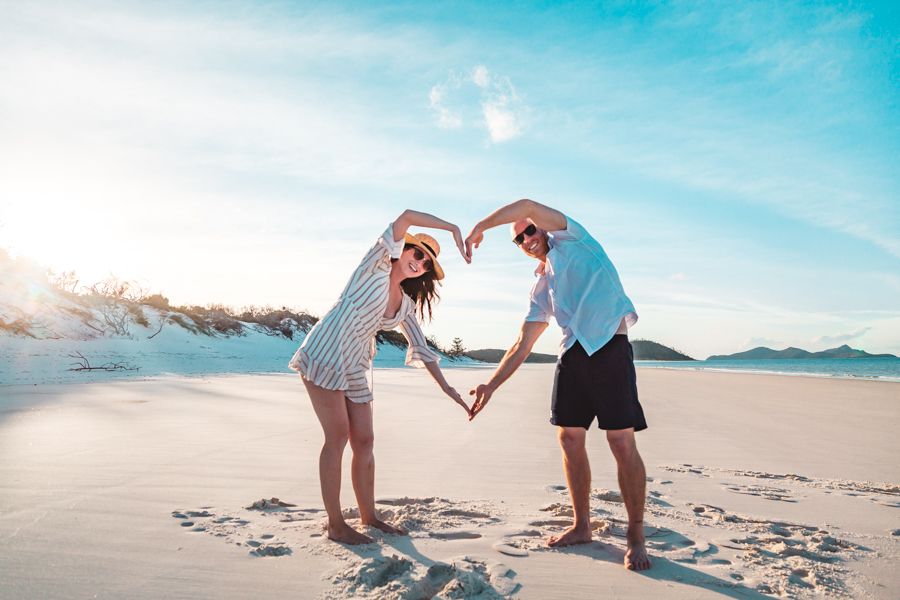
[161, 321]
[83, 364]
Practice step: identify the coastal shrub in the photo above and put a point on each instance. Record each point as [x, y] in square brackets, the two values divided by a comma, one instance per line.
[17, 327]
[179, 320]
[394, 338]
[157, 301]
[435, 345]
[224, 323]
[138, 315]
[283, 321]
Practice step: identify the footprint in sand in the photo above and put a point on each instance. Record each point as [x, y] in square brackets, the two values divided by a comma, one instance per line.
[404, 501]
[469, 514]
[685, 468]
[769, 493]
[524, 533]
[433, 515]
[270, 504]
[706, 511]
[510, 548]
[888, 503]
[655, 500]
[607, 496]
[230, 527]
[271, 550]
[399, 577]
[557, 509]
[454, 535]
[551, 523]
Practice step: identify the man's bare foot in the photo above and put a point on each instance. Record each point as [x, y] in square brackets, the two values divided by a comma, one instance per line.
[573, 535]
[346, 534]
[636, 558]
[385, 527]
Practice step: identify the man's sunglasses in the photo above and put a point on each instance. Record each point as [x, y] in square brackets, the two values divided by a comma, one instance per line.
[527, 231]
[419, 255]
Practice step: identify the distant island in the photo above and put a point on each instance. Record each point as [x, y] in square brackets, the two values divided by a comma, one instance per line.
[647, 350]
[643, 350]
[763, 353]
[493, 355]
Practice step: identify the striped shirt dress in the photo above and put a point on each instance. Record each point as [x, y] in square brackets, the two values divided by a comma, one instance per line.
[337, 353]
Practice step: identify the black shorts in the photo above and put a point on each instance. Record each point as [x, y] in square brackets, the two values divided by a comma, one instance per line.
[602, 385]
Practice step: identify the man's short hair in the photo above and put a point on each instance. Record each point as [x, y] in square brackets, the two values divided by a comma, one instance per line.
[512, 226]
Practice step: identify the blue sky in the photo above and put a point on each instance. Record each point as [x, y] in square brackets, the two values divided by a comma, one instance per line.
[737, 160]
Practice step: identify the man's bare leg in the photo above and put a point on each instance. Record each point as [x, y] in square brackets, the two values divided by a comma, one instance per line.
[578, 477]
[633, 484]
[362, 467]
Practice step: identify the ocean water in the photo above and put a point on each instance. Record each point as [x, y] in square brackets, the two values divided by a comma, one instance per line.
[887, 369]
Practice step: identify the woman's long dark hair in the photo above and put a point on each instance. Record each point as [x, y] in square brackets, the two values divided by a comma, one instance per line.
[422, 289]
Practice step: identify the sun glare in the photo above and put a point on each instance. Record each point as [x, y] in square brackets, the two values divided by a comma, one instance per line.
[58, 226]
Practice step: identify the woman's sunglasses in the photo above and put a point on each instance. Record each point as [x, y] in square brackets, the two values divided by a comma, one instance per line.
[527, 231]
[419, 255]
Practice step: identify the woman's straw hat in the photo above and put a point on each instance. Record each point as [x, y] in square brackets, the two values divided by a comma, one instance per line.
[429, 246]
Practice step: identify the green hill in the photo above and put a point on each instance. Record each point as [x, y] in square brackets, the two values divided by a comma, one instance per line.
[493, 355]
[643, 350]
[647, 350]
[763, 353]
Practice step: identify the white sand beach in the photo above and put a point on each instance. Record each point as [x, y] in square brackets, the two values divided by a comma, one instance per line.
[758, 485]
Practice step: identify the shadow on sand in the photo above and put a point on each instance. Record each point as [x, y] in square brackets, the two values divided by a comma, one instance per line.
[666, 570]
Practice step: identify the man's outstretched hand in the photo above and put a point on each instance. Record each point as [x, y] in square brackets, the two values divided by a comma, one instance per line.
[482, 395]
[476, 236]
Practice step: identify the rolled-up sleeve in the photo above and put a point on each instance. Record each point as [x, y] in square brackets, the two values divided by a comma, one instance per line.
[386, 240]
[573, 232]
[418, 353]
[539, 309]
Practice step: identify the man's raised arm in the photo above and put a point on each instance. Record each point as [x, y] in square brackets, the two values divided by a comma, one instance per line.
[548, 219]
[512, 360]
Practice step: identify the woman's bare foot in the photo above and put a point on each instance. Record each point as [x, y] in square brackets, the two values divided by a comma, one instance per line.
[576, 534]
[636, 558]
[385, 527]
[342, 532]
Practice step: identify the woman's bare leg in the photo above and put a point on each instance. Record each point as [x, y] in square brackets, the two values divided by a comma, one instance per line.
[332, 413]
[362, 438]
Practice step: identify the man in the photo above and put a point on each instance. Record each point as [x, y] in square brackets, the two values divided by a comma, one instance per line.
[578, 285]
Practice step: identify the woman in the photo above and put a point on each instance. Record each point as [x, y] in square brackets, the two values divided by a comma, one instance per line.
[396, 278]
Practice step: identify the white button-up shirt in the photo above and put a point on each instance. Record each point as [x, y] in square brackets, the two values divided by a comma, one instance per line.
[579, 286]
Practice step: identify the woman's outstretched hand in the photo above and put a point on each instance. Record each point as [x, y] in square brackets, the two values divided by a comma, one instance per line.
[458, 238]
[458, 399]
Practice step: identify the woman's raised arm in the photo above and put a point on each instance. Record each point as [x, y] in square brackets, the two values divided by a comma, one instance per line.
[413, 218]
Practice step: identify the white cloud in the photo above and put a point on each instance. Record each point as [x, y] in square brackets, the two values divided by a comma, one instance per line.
[500, 108]
[841, 338]
[501, 123]
[446, 118]
[480, 76]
